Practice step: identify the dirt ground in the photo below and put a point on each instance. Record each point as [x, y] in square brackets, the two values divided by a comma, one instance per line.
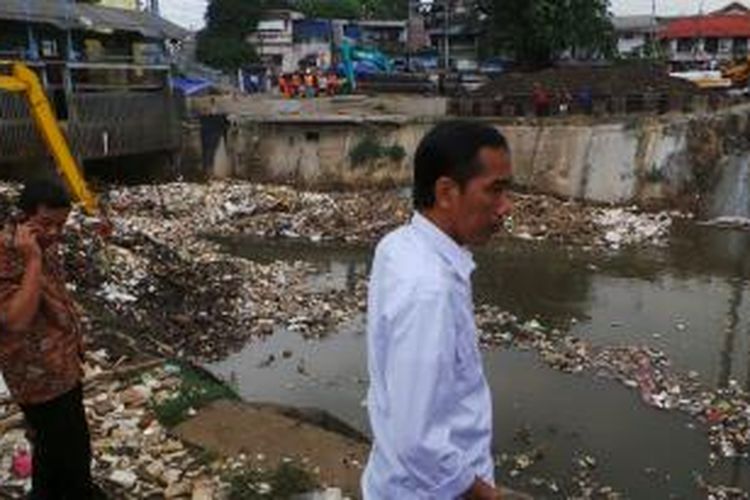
[616, 80]
[222, 428]
[225, 428]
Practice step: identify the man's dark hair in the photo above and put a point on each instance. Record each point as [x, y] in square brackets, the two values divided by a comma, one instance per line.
[42, 193]
[450, 150]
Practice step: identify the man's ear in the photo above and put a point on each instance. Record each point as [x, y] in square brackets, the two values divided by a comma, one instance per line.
[445, 192]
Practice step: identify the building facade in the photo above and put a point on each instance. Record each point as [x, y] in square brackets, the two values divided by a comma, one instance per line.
[636, 36]
[106, 72]
[121, 4]
[286, 41]
[709, 39]
[274, 39]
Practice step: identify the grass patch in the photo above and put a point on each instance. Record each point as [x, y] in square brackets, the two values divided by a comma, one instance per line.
[369, 149]
[287, 480]
[197, 390]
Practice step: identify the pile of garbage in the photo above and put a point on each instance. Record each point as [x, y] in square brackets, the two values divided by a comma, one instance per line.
[265, 211]
[567, 222]
[627, 226]
[364, 216]
[721, 492]
[178, 294]
[723, 412]
[133, 454]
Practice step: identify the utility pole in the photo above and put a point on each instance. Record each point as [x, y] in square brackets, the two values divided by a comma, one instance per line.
[446, 33]
[652, 49]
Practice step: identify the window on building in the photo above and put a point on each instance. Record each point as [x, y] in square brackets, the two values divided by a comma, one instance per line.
[49, 48]
[13, 39]
[711, 45]
[685, 45]
[725, 45]
[740, 46]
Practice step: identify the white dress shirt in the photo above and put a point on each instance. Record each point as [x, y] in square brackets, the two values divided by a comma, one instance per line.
[429, 403]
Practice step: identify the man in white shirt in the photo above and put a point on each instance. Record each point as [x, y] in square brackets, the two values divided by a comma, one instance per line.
[429, 403]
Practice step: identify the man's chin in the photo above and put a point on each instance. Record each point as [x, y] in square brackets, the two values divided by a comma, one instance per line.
[481, 240]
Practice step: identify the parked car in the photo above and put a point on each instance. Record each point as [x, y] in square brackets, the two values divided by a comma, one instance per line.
[464, 83]
[471, 82]
[493, 66]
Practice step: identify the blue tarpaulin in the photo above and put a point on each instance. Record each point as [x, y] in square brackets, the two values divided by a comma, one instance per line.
[312, 29]
[353, 31]
[191, 86]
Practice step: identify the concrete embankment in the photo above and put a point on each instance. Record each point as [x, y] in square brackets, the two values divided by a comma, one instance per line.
[666, 160]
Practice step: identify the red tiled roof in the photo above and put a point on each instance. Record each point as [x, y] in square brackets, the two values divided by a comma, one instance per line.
[720, 26]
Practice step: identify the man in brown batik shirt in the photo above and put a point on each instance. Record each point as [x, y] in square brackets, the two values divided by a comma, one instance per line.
[41, 345]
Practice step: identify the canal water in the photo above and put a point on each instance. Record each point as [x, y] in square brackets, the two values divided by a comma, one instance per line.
[689, 299]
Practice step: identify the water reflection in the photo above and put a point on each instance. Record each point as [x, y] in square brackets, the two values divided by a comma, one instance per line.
[730, 333]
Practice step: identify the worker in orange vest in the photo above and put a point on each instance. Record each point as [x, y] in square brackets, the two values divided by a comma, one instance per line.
[296, 84]
[284, 86]
[310, 84]
[333, 84]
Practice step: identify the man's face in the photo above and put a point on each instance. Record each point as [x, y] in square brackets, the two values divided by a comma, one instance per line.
[49, 223]
[482, 206]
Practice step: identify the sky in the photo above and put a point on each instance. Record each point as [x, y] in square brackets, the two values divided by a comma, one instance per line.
[189, 13]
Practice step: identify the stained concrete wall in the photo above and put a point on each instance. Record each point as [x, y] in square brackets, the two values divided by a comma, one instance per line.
[613, 163]
[633, 160]
[318, 153]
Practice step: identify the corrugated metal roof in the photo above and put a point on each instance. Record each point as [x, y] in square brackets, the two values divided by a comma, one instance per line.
[382, 23]
[635, 23]
[54, 12]
[145, 23]
[718, 26]
[65, 15]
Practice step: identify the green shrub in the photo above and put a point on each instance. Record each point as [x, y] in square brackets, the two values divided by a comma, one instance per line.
[197, 390]
[369, 149]
[286, 481]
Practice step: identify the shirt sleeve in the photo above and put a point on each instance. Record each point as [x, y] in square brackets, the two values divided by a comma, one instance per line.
[419, 377]
[10, 283]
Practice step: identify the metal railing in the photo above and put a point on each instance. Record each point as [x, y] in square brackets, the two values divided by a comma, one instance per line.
[107, 110]
[522, 105]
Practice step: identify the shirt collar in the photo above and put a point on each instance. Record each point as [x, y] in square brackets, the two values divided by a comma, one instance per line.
[457, 256]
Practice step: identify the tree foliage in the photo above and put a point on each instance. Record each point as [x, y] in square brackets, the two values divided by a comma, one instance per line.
[330, 9]
[224, 52]
[385, 9]
[223, 42]
[536, 32]
[353, 9]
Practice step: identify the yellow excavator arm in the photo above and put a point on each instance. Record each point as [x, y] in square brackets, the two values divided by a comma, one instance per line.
[739, 73]
[24, 81]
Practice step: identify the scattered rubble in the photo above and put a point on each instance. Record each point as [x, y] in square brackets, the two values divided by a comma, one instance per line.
[518, 470]
[720, 492]
[134, 455]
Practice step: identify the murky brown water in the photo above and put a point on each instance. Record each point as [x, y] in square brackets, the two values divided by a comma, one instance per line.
[690, 299]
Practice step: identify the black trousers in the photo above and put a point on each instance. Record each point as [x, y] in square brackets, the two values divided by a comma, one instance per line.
[61, 449]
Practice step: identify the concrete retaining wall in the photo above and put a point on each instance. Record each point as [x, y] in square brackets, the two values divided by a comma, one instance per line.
[633, 160]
